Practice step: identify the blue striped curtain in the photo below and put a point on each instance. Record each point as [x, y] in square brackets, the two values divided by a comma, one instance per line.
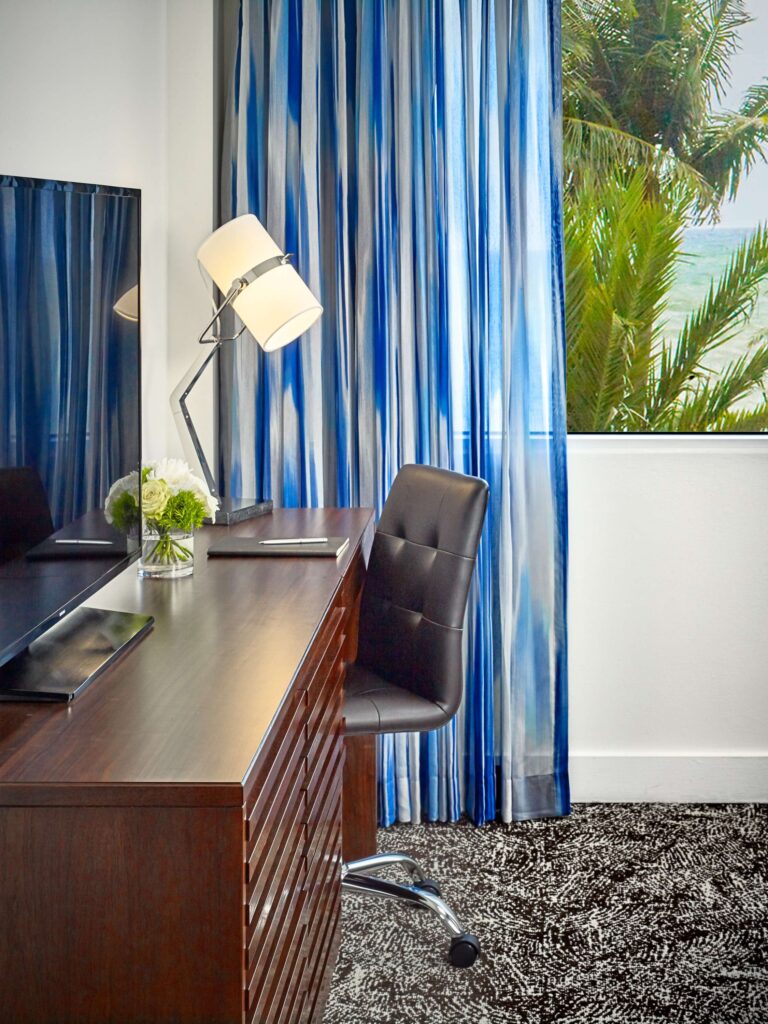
[408, 153]
[69, 366]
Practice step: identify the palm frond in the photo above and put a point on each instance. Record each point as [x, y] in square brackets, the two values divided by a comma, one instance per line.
[721, 22]
[715, 397]
[592, 151]
[745, 421]
[620, 250]
[732, 142]
[726, 308]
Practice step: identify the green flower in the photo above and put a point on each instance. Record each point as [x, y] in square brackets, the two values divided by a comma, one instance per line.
[154, 498]
[121, 508]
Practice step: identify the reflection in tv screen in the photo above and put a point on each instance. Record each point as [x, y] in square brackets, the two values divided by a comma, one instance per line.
[69, 393]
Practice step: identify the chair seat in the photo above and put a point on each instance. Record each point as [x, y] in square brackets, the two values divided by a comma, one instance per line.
[372, 705]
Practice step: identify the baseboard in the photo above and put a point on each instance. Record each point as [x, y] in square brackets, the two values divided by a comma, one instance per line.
[665, 778]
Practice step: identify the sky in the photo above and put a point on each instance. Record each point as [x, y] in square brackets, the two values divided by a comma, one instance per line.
[749, 67]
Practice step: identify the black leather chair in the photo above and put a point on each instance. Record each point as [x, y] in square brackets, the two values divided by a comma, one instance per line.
[25, 517]
[408, 675]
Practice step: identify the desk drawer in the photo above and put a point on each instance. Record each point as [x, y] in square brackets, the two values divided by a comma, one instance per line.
[265, 931]
[324, 708]
[271, 857]
[272, 985]
[352, 584]
[323, 882]
[328, 638]
[287, 737]
[320, 980]
[271, 808]
[292, 832]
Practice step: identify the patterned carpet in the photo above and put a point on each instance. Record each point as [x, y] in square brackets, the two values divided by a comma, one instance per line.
[620, 914]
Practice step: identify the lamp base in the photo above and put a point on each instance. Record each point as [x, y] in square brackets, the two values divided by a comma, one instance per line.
[237, 510]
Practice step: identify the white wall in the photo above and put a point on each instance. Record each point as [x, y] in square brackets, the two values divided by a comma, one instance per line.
[189, 201]
[668, 612]
[119, 92]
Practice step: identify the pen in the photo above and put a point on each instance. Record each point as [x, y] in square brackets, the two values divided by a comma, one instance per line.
[296, 540]
[67, 540]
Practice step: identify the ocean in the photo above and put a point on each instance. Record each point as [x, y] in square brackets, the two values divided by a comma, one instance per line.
[707, 251]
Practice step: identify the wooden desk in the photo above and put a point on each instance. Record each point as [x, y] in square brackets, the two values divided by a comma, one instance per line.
[170, 842]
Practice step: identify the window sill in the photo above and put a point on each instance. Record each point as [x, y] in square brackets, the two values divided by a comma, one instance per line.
[667, 444]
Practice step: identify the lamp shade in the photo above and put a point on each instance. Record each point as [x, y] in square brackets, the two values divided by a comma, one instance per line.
[127, 306]
[276, 307]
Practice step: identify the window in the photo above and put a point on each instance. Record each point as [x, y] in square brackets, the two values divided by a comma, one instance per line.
[666, 197]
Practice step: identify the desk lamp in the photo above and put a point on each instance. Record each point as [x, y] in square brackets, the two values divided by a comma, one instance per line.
[272, 302]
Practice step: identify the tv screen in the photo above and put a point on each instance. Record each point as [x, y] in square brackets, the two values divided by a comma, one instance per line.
[70, 386]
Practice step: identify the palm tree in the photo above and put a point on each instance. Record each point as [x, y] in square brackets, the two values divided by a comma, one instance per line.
[622, 249]
[646, 156]
[640, 78]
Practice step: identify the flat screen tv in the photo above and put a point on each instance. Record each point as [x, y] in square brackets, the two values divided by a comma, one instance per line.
[70, 427]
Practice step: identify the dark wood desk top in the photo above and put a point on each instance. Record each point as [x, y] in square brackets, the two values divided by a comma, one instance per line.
[181, 716]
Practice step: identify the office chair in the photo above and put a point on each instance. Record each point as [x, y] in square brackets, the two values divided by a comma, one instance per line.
[25, 517]
[408, 675]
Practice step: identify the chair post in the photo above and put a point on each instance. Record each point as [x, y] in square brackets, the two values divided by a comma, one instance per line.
[359, 815]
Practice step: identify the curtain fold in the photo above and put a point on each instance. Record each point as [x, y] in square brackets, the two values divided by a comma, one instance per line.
[408, 153]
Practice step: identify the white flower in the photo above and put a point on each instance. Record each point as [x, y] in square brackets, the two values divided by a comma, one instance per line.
[128, 483]
[176, 474]
[211, 503]
[179, 477]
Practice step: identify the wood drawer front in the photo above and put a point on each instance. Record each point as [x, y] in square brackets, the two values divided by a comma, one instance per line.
[323, 707]
[328, 637]
[323, 883]
[352, 584]
[288, 841]
[322, 907]
[287, 733]
[293, 839]
[266, 996]
[320, 771]
[267, 932]
[275, 805]
[320, 981]
[349, 598]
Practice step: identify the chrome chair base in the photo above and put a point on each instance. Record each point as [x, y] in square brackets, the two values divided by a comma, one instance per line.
[359, 877]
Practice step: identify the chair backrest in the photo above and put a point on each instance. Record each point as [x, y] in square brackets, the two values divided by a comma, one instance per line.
[25, 517]
[417, 584]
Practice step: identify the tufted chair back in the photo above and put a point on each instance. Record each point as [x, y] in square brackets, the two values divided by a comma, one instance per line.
[415, 596]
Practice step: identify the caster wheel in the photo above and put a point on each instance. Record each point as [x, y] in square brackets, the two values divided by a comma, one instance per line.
[429, 886]
[465, 949]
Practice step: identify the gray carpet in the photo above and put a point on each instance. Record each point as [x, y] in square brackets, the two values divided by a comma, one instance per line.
[620, 914]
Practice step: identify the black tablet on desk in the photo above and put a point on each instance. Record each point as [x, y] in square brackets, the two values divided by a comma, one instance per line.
[252, 547]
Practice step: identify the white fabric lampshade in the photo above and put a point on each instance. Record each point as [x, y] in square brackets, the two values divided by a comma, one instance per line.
[277, 307]
[127, 306]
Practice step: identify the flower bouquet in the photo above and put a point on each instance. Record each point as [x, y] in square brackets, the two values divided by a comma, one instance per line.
[174, 503]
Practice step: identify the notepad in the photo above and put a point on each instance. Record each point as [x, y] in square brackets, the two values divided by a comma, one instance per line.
[251, 547]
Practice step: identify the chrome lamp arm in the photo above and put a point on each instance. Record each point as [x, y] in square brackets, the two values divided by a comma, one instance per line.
[181, 414]
[183, 419]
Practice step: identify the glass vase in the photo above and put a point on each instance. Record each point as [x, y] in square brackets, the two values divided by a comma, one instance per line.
[167, 555]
